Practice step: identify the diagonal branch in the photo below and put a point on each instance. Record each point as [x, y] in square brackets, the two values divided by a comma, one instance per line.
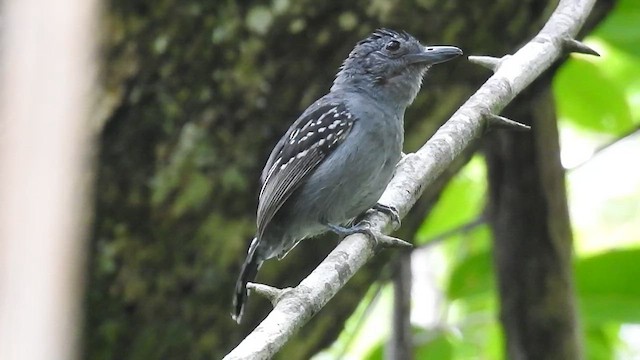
[415, 172]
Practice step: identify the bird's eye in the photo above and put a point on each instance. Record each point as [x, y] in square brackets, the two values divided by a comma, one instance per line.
[392, 45]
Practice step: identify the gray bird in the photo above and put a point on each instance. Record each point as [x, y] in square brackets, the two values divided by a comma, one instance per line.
[337, 158]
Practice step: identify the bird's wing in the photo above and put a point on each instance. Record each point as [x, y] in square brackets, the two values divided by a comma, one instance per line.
[307, 142]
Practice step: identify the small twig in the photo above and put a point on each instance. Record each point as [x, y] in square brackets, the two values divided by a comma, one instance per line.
[463, 228]
[572, 45]
[480, 220]
[273, 294]
[361, 320]
[490, 62]
[500, 122]
[604, 147]
[392, 242]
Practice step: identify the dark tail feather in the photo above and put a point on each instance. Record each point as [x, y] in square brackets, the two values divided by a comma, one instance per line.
[247, 274]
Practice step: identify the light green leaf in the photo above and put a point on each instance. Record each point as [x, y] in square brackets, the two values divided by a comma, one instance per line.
[621, 26]
[600, 342]
[609, 288]
[589, 99]
[481, 339]
[460, 202]
[471, 277]
[439, 347]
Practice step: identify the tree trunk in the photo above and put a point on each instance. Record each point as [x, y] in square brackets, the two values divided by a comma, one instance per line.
[400, 345]
[530, 222]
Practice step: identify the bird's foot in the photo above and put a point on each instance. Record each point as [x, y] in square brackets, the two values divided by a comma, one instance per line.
[390, 211]
[364, 228]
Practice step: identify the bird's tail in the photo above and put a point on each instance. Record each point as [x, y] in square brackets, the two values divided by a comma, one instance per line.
[247, 274]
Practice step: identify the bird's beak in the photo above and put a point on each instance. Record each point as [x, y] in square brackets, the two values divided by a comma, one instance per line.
[432, 55]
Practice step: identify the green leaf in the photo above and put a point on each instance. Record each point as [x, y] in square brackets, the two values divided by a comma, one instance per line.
[609, 288]
[621, 68]
[471, 277]
[481, 338]
[460, 202]
[590, 99]
[436, 346]
[600, 342]
[439, 347]
[621, 26]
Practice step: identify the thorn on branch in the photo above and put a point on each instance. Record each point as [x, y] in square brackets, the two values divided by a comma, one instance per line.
[572, 45]
[392, 242]
[273, 294]
[489, 62]
[500, 122]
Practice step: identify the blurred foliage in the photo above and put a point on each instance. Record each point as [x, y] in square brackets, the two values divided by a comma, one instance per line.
[580, 82]
[601, 94]
[608, 291]
[608, 238]
[460, 203]
[430, 346]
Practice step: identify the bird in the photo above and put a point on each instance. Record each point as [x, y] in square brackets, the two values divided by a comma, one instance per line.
[337, 158]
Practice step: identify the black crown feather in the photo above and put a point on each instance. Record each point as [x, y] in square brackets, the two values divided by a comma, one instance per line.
[384, 32]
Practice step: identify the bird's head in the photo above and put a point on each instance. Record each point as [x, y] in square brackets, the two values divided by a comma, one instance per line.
[390, 65]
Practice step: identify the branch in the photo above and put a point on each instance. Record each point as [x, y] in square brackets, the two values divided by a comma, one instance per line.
[415, 172]
[461, 229]
[480, 219]
[602, 148]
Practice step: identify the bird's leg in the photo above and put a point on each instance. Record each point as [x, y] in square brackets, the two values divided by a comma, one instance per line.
[391, 211]
[364, 228]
